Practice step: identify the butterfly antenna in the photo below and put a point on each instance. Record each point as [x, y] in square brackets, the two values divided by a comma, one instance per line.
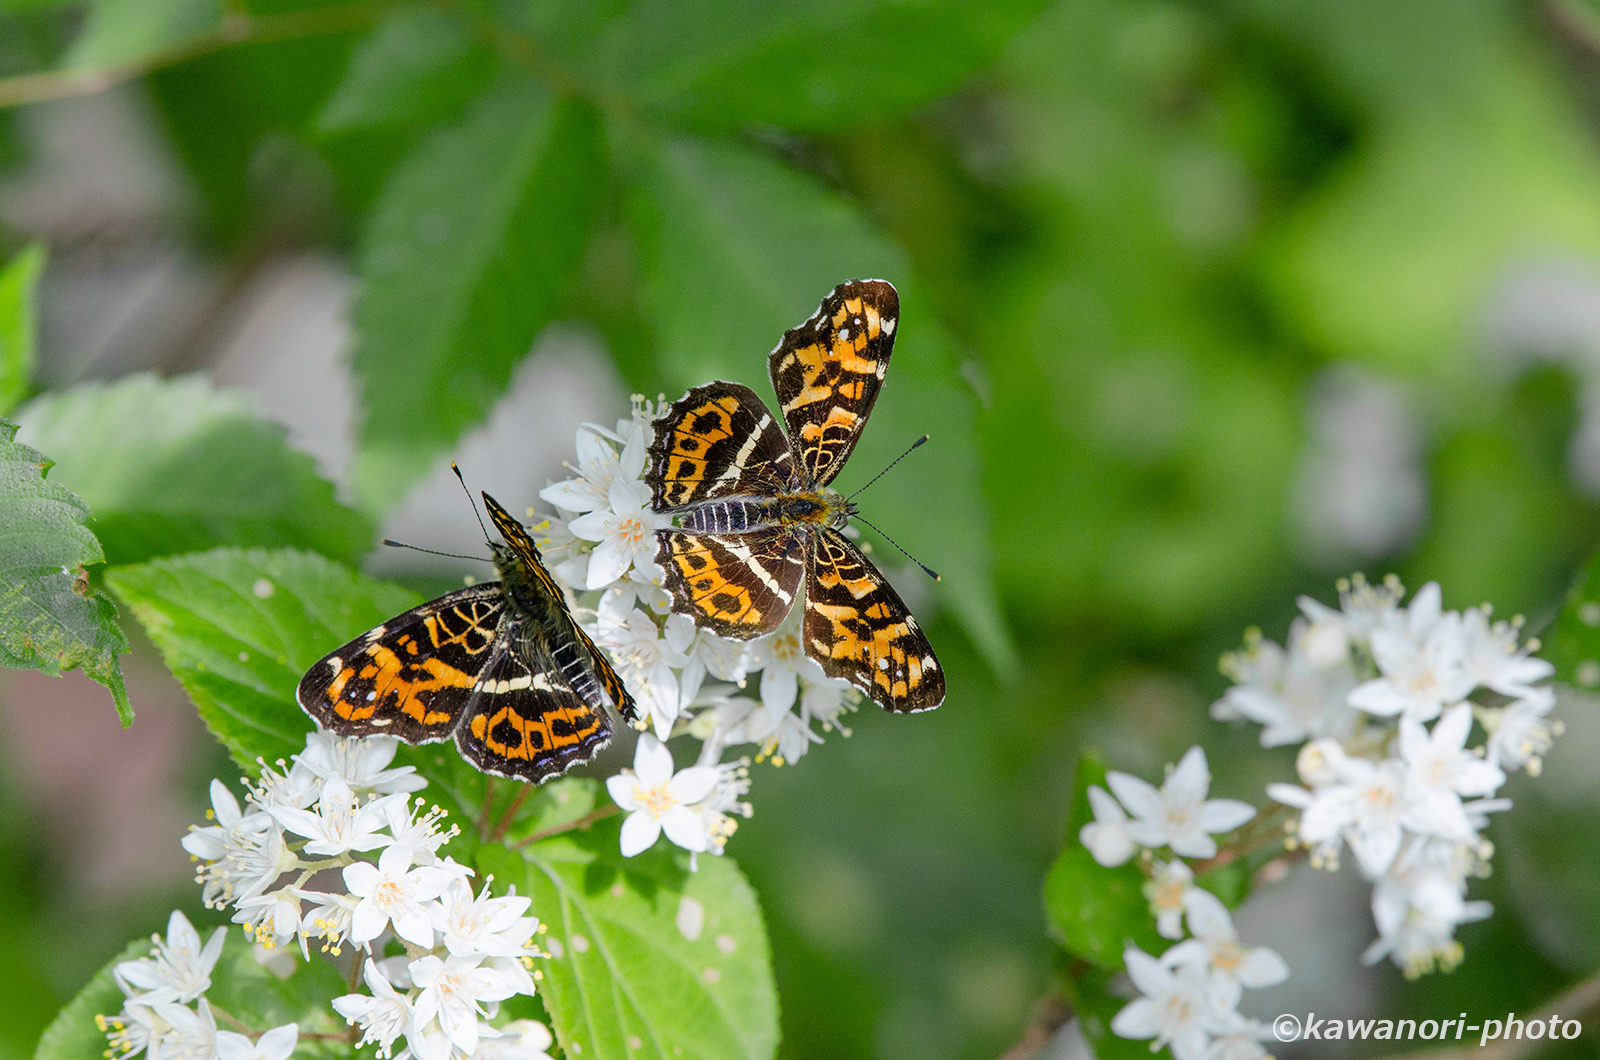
[929, 571]
[884, 472]
[430, 551]
[472, 501]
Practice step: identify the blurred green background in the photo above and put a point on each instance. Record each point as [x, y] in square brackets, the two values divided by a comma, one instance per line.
[1205, 304]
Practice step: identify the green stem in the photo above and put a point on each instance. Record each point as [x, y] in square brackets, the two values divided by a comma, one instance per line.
[236, 27]
[580, 824]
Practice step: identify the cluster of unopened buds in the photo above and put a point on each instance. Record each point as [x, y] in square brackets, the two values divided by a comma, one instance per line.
[1384, 700]
[337, 811]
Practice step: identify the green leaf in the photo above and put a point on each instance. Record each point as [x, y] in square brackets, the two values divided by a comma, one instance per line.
[1095, 911]
[238, 628]
[74, 1034]
[174, 466]
[241, 987]
[467, 256]
[259, 999]
[50, 620]
[801, 63]
[1095, 1006]
[1572, 643]
[737, 248]
[648, 960]
[121, 33]
[18, 325]
[418, 67]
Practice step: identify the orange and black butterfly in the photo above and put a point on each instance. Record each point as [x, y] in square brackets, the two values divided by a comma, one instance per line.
[754, 517]
[500, 666]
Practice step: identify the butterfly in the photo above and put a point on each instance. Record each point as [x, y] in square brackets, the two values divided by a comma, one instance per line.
[501, 666]
[754, 517]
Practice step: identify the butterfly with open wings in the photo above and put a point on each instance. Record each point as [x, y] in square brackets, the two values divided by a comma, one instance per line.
[755, 519]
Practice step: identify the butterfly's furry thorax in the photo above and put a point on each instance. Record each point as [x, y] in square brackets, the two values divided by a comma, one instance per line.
[528, 597]
[737, 515]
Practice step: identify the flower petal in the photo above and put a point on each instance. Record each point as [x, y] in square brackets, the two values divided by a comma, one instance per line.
[639, 833]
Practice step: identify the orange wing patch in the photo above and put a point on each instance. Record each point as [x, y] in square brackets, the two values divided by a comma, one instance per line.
[857, 627]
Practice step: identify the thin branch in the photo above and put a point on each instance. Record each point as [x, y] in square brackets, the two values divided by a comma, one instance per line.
[1049, 1016]
[235, 28]
[482, 824]
[506, 818]
[1580, 1000]
[581, 824]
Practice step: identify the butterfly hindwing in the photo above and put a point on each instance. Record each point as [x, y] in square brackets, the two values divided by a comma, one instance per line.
[525, 721]
[738, 585]
[716, 441]
[410, 677]
[856, 627]
[827, 372]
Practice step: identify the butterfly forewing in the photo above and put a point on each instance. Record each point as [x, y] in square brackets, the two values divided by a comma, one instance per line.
[411, 676]
[717, 440]
[827, 372]
[737, 585]
[525, 721]
[856, 627]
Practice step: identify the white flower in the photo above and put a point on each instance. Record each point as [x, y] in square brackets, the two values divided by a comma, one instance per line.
[1439, 771]
[1365, 807]
[778, 731]
[417, 832]
[1362, 609]
[658, 800]
[781, 658]
[1106, 837]
[1492, 658]
[329, 918]
[393, 892]
[517, 1040]
[132, 1030]
[1520, 734]
[826, 701]
[275, 1044]
[1216, 946]
[382, 1017]
[1417, 909]
[341, 823]
[598, 465]
[241, 855]
[361, 763]
[625, 530]
[1293, 694]
[296, 786]
[646, 662]
[453, 991]
[716, 810]
[272, 919]
[1167, 890]
[1177, 1007]
[495, 927]
[1421, 663]
[1179, 815]
[192, 1033]
[1241, 1040]
[178, 969]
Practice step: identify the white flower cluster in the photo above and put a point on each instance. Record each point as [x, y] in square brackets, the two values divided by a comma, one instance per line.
[686, 680]
[160, 990]
[337, 800]
[1359, 687]
[1190, 994]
